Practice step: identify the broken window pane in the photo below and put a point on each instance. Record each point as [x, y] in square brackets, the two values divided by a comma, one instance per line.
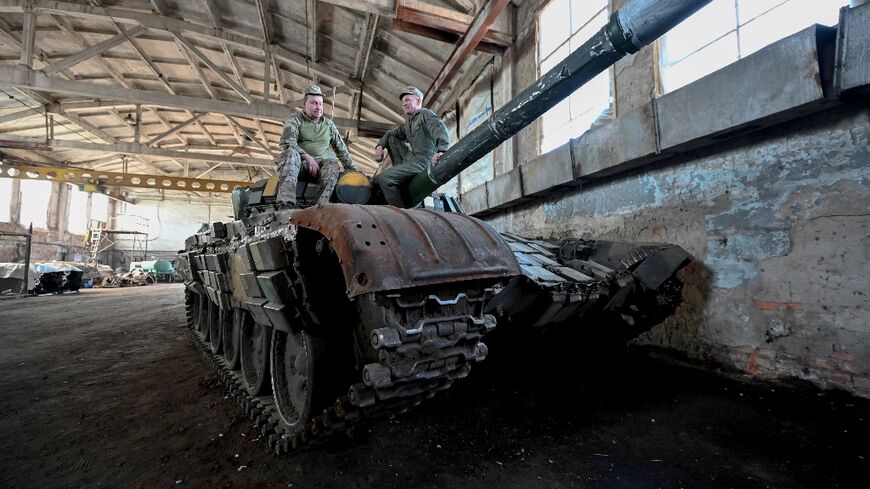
[99, 207]
[565, 26]
[78, 211]
[5, 199]
[35, 196]
[728, 30]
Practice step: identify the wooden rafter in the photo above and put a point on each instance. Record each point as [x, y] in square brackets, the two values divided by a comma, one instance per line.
[463, 49]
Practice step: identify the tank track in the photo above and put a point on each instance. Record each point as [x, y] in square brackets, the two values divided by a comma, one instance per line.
[415, 363]
[564, 291]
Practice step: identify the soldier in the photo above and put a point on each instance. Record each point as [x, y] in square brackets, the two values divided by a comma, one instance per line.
[311, 139]
[413, 145]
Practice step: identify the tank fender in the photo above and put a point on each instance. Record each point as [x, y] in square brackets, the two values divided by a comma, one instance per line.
[385, 248]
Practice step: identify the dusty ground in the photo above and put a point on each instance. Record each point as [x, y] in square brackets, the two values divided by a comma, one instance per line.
[105, 389]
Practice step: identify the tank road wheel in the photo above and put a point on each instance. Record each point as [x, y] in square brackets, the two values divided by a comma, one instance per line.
[191, 304]
[202, 316]
[217, 317]
[230, 335]
[254, 346]
[300, 380]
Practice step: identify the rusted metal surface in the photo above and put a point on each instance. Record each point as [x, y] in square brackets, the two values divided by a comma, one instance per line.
[384, 248]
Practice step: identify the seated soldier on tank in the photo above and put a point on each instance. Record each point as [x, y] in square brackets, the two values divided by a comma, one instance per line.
[311, 139]
[412, 146]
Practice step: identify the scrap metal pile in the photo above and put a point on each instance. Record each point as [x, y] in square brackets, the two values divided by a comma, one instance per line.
[134, 277]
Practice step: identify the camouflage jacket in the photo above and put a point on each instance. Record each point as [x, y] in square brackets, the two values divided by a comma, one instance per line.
[290, 138]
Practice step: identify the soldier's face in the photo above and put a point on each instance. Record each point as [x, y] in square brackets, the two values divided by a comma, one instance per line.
[411, 104]
[313, 106]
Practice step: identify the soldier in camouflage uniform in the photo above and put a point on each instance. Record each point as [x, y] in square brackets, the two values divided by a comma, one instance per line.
[412, 146]
[311, 139]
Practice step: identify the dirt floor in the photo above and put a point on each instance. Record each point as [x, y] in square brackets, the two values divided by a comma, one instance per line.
[105, 389]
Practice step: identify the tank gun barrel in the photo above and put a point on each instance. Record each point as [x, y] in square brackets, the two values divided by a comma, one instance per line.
[635, 25]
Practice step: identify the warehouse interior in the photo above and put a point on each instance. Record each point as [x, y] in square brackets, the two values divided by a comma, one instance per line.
[742, 136]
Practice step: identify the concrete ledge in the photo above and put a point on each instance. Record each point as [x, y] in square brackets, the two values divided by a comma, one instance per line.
[788, 79]
[603, 151]
[853, 54]
[505, 190]
[474, 201]
[780, 77]
[547, 173]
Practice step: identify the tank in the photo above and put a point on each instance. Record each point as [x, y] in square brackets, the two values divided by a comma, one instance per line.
[321, 318]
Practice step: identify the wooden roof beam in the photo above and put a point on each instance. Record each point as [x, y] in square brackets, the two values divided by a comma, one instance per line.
[213, 67]
[311, 17]
[141, 150]
[165, 23]
[21, 77]
[463, 49]
[93, 50]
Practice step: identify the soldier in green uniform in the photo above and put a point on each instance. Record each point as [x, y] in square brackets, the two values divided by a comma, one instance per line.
[310, 139]
[418, 142]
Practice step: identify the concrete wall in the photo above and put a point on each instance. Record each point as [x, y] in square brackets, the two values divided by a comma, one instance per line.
[170, 222]
[778, 220]
[779, 225]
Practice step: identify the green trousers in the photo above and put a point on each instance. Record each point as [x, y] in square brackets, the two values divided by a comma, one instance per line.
[406, 166]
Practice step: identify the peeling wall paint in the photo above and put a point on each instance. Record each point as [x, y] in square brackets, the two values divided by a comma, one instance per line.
[779, 222]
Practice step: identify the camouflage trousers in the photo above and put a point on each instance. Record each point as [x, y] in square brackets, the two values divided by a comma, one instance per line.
[290, 165]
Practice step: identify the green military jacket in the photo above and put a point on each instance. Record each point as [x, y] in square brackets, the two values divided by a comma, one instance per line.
[320, 140]
[425, 132]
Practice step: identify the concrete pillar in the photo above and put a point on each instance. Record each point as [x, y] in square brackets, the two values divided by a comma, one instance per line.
[15, 205]
[525, 72]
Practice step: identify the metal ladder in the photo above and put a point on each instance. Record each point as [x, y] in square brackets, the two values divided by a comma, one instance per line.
[96, 237]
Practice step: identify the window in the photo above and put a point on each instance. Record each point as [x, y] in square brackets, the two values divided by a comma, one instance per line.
[99, 207]
[727, 30]
[35, 196]
[564, 26]
[78, 211]
[5, 199]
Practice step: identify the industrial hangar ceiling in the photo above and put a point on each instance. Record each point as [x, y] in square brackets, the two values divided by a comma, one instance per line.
[200, 88]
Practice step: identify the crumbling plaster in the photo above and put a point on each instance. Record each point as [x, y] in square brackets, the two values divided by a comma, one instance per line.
[778, 222]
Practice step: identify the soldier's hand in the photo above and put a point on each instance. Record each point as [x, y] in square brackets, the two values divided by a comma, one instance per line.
[436, 157]
[379, 154]
[313, 167]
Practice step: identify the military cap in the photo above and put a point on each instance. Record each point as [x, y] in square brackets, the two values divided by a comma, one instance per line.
[409, 90]
[312, 90]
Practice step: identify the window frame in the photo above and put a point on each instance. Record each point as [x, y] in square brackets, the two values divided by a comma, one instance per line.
[661, 66]
[541, 60]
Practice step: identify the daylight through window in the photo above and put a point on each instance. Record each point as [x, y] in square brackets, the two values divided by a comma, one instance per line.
[564, 26]
[727, 30]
